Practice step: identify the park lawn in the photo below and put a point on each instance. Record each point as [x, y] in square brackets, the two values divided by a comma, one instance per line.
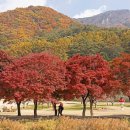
[40, 107]
[74, 107]
[78, 106]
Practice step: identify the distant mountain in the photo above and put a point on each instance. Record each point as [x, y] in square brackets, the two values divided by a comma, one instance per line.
[115, 18]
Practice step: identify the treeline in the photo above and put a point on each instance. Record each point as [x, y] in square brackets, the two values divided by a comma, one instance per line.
[110, 43]
[39, 29]
[45, 77]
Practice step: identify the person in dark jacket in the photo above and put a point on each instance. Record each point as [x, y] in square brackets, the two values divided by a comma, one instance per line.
[60, 109]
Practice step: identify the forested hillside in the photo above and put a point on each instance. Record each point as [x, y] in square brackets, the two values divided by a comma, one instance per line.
[42, 29]
[25, 23]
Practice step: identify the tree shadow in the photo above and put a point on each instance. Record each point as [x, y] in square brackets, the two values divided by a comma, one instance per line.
[31, 117]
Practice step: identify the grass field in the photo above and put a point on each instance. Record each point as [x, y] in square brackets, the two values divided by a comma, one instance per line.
[66, 123]
[78, 106]
[72, 122]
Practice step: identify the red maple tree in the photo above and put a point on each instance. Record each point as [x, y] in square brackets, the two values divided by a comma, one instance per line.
[4, 59]
[34, 77]
[14, 85]
[88, 77]
[11, 80]
[121, 71]
[47, 76]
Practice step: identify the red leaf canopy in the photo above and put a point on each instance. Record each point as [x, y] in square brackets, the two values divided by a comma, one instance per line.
[87, 74]
[36, 76]
[121, 71]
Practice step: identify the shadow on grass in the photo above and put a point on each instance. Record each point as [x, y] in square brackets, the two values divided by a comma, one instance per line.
[31, 118]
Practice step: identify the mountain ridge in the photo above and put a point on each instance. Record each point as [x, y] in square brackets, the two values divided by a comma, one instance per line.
[112, 18]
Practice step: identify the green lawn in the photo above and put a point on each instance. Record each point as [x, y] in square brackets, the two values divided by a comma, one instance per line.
[78, 106]
[40, 107]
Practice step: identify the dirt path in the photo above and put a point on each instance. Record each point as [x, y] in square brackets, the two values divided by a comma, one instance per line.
[104, 111]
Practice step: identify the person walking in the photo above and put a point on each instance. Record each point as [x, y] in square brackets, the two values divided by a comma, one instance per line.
[122, 101]
[60, 109]
[54, 107]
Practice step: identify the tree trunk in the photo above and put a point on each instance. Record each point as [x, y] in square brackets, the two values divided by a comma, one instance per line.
[84, 106]
[95, 105]
[91, 107]
[48, 105]
[55, 110]
[129, 99]
[18, 108]
[35, 108]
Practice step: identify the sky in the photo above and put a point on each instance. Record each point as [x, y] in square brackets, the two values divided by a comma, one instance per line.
[72, 8]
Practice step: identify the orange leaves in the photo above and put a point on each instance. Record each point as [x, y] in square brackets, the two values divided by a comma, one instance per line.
[24, 23]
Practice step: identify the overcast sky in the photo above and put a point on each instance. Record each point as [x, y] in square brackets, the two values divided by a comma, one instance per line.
[72, 8]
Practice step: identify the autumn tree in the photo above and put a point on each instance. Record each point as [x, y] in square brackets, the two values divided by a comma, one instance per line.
[125, 37]
[87, 77]
[14, 85]
[34, 77]
[11, 80]
[26, 47]
[121, 70]
[60, 48]
[48, 76]
[91, 43]
[4, 59]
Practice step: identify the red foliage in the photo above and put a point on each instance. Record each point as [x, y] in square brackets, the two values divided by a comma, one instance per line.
[36, 76]
[14, 84]
[87, 75]
[121, 70]
[4, 59]
[46, 75]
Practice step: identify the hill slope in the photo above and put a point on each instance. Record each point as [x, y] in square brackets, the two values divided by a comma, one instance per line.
[33, 21]
[117, 18]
